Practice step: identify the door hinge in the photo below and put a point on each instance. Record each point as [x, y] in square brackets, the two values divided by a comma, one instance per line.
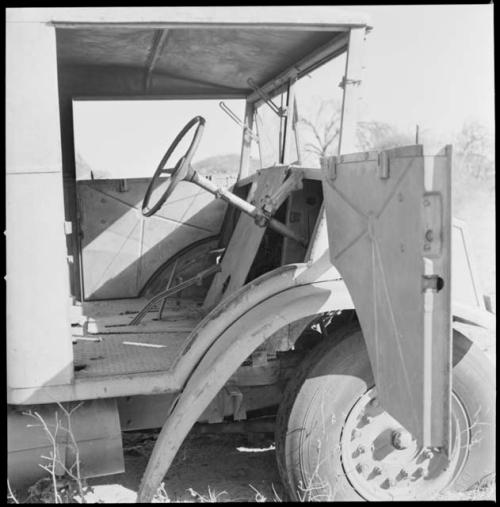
[432, 213]
[329, 166]
[346, 81]
[383, 165]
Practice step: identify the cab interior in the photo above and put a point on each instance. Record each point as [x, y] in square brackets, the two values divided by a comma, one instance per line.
[196, 248]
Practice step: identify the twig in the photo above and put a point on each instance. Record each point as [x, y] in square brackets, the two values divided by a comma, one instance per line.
[53, 458]
[10, 494]
[75, 447]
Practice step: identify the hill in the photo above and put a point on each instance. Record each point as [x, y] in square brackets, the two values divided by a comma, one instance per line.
[223, 165]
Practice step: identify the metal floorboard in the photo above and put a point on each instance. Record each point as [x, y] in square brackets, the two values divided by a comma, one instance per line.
[124, 354]
[107, 346]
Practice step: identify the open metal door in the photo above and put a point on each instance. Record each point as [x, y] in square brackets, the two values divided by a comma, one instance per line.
[389, 231]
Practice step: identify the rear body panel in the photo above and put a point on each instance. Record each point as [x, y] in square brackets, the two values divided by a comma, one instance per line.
[121, 249]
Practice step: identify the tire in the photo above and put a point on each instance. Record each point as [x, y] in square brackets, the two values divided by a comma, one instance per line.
[318, 404]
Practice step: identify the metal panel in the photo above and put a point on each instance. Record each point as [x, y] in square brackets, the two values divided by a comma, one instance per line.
[389, 228]
[302, 214]
[120, 56]
[38, 328]
[293, 17]
[95, 426]
[127, 354]
[121, 249]
[32, 106]
[245, 241]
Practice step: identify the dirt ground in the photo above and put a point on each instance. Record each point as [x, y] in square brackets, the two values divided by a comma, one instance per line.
[222, 467]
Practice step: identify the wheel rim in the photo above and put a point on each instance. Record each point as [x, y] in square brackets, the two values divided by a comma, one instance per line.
[382, 461]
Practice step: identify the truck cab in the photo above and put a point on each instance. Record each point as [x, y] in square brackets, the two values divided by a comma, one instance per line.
[175, 299]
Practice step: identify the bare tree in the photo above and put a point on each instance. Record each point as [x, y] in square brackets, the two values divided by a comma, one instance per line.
[325, 129]
[376, 135]
[474, 150]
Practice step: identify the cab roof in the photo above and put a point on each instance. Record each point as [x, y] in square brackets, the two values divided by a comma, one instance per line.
[190, 51]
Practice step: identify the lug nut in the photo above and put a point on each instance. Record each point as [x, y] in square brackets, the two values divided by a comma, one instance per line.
[403, 474]
[401, 439]
[355, 434]
[361, 449]
[367, 418]
[362, 468]
[388, 483]
[427, 454]
[418, 472]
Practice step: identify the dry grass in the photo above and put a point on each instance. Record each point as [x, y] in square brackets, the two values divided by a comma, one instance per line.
[485, 490]
[212, 496]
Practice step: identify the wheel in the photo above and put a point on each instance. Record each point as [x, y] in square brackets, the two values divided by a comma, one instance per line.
[181, 171]
[328, 450]
[188, 263]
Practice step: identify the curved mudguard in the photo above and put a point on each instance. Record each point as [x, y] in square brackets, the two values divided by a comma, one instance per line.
[229, 334]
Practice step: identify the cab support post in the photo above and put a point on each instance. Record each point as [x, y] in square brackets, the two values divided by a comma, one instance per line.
[38, 327]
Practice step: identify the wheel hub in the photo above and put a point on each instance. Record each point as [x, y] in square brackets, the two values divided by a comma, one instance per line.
[382, 461]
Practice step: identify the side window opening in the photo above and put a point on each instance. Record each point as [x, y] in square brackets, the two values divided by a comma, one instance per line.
[319, 101]
[315, 113]
[270, 129]
[118, 139]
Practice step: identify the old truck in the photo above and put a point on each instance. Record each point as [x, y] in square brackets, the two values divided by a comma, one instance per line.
[326, 296]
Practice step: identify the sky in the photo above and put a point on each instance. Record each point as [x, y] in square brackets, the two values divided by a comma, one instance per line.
[129, 138]
[430, 65]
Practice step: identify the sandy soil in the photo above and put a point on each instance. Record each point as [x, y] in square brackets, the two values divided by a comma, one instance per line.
[225, 466]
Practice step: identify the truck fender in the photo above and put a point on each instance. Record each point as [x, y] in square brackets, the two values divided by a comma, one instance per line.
[235, 305]
[225, 354]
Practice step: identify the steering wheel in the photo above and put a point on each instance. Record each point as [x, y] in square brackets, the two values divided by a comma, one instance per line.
[182, 170]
